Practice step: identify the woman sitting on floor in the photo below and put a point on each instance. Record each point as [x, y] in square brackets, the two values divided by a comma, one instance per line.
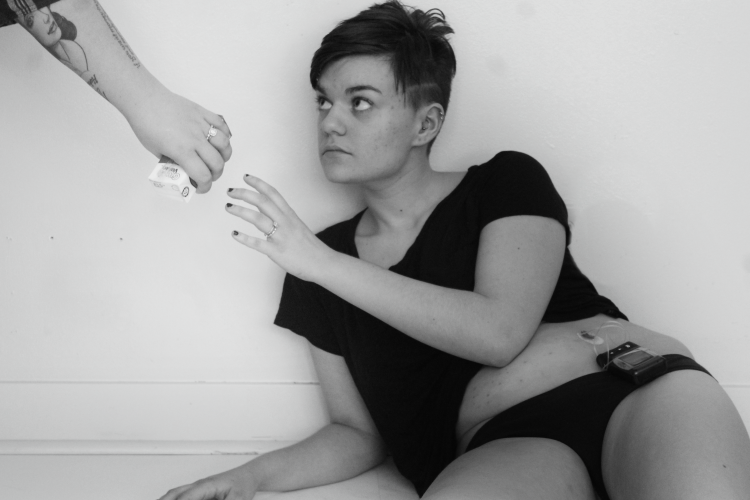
[448, 322]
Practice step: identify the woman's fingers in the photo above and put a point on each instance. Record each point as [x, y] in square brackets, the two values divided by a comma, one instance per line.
[219, 137]
[267, 190]
[202, 490]
[288, 241]
[219, 122]
[196, 169]
[174, 493]
[206, 164]
[262, 202]
[263, 222]
[258, 244]
[221, 142]
[212, 159]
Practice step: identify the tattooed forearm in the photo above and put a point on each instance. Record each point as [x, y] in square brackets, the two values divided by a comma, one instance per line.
[118, 37]
[94, 83]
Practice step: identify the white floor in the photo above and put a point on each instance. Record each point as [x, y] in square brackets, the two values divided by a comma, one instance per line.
[117, 477]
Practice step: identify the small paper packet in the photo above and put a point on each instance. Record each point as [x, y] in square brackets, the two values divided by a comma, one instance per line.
[171, 181]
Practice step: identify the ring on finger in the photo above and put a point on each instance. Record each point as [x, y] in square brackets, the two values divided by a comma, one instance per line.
[212, 131]
[273, 230]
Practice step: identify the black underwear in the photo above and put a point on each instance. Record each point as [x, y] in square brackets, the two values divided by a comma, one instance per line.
[575, 413]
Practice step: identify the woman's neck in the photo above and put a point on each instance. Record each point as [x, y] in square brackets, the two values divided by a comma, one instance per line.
[404, 202]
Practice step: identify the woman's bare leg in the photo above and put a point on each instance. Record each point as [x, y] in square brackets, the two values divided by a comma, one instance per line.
[679, 437]
[514, 469]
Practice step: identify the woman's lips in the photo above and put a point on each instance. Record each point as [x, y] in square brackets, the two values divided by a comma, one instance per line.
[334, 149]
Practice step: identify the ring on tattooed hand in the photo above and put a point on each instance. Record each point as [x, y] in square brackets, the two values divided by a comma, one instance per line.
[212, 131]
[273, 230]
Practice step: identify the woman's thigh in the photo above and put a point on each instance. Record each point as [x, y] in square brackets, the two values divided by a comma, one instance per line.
[514, 469]
[678, 437]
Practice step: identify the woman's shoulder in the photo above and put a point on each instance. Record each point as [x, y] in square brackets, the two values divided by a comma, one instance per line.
[514, 183]
[509, 163]
[511, 174]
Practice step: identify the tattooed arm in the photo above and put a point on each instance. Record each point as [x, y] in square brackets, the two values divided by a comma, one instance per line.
[80, 34]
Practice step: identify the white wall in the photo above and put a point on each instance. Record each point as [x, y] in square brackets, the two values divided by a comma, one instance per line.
[126, 317]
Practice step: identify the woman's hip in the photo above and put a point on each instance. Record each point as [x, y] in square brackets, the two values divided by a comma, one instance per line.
[557, 354]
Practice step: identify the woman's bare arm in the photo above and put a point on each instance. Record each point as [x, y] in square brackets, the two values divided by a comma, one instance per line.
[80, 34]
[347, 447]
[518, 264]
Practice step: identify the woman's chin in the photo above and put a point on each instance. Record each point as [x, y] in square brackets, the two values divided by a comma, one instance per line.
[337, 173]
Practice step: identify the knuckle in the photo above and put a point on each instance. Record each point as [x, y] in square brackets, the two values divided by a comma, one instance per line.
[203, 187]
[223, 140]
[170, 494]
[227, 152]
[217, 171]
[204, 175]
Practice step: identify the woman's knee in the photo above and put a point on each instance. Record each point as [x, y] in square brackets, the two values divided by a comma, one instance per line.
[515, 469]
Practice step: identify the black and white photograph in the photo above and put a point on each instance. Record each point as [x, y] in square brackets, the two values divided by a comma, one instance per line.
[374, 250]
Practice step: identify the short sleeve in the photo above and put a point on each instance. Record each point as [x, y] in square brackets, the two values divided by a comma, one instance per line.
[516, 184]
[10, 10]
[302, 311]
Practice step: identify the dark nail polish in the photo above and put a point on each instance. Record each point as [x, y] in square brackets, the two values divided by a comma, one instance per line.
[235, 233]
[230, 190]
[195, 184]
[229, 205]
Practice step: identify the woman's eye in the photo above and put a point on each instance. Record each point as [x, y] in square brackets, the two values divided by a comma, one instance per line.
[361, 104]
[323, 104]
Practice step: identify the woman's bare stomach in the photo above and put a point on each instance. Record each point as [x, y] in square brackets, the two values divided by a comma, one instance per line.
[556, 354]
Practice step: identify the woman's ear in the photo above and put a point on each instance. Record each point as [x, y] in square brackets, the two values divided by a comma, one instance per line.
[431, 120]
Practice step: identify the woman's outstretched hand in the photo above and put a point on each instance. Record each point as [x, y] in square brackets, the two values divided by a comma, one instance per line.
[168, 124]
[287, 240]
[235, 484]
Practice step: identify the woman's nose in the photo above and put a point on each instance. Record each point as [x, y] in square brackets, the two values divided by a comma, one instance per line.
[332, 122]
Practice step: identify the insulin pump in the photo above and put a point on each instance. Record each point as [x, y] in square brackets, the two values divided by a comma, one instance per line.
[633, 363]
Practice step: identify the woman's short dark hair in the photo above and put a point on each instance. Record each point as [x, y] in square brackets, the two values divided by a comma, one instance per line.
[416, 43]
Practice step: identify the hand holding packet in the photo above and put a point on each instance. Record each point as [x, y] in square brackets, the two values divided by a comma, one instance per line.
[171, 180]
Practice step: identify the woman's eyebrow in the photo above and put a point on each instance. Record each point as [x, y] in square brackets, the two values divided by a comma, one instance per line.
[350, 90]
[358, 88]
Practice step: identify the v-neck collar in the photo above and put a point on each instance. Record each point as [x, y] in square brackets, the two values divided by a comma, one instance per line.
[354, 222]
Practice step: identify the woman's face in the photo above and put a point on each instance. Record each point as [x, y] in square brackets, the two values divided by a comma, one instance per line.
[43, 27]
[365, 127]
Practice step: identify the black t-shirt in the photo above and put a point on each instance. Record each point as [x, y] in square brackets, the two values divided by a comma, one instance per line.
[414, 391]
[10, 10]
